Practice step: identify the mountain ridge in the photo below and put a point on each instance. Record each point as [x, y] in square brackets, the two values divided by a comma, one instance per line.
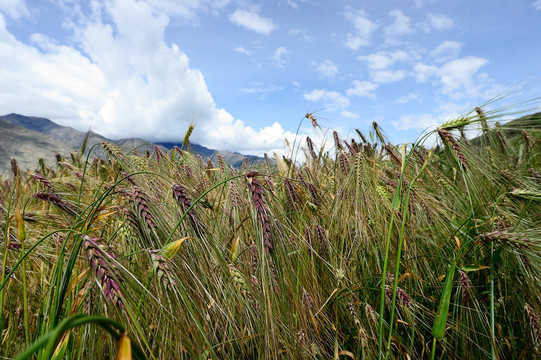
[18, 131]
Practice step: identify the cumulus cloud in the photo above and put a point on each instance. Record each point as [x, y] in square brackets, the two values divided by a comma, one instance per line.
[121, 79]
[447, 50]
[332, 99]
[384, 59]
[440, 22]
[327, 68]
[188, 10]
[457, 78]
[407, 98]
[400, 26]
[362, 89]
[424, 72]
[363, 26]
[15, 9]
[251, 20]
[537, 5]
[459, 74]
[349, 114]
[387, 76]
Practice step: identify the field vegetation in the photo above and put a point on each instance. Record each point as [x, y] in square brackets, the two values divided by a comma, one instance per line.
[353, 248]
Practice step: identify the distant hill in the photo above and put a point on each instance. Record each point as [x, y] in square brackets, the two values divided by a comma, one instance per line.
[29, 138]
[231, 158]
[27, 147]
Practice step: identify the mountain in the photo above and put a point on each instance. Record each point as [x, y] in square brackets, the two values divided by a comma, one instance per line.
[27, 146]
[231, 158]
[29, 138]
[74, 138]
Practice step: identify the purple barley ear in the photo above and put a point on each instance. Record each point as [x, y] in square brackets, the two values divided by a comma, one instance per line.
[312, 118]
[371, 314]
[14, 168]
[310, 145]
[292, 194]
[344, 163]
[141, 204]
[162, 268]
[159, 154]
[181, 196]
[393, 154]
[257, 191]
[57, 200]
[234, 195]
[505, 238]
[307, 300]
[308, 238]
[535, 324]
[102, 260]
[465, 285]
[337, 142]
[188, 172]
[448, 138]
[43, 181]
[221, 163]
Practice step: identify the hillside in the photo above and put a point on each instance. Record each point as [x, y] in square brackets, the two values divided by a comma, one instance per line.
[40, 137]
[27, 147]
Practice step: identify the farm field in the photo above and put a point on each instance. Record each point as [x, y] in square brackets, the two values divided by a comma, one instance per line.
[355, 248]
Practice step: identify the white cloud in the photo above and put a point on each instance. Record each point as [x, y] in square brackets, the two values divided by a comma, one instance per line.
[15, 9]
[302, 33]
[188, 9]
[364, 28]
[362, 89]
[416, 122]
[440, 22]
[407, 98]
[447, 50]
[387, 76]
[251, 20]
[264, 91]
[327, 68]
[458, 74]
[349, 114]
[332, 99]
[293, 4]
[537, 5]
[242, 50]
[384, 59]
[424, 121]
[458, 78]
[424, 72]
[121, 83]
[279, 56]
[400, 26]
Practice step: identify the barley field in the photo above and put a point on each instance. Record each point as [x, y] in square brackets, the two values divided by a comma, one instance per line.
[345, 249]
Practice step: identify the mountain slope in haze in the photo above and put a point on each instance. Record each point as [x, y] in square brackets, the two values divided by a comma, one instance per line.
[231, 158]
[27, 147]
[67, 139]
[74, 138]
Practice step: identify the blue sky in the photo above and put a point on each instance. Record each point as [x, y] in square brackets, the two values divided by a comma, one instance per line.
[245, 72]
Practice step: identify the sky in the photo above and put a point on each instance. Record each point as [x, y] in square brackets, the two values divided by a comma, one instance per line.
[245, 72]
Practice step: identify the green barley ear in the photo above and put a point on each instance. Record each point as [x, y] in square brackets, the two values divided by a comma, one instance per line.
[186, 141]
[455, 124]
